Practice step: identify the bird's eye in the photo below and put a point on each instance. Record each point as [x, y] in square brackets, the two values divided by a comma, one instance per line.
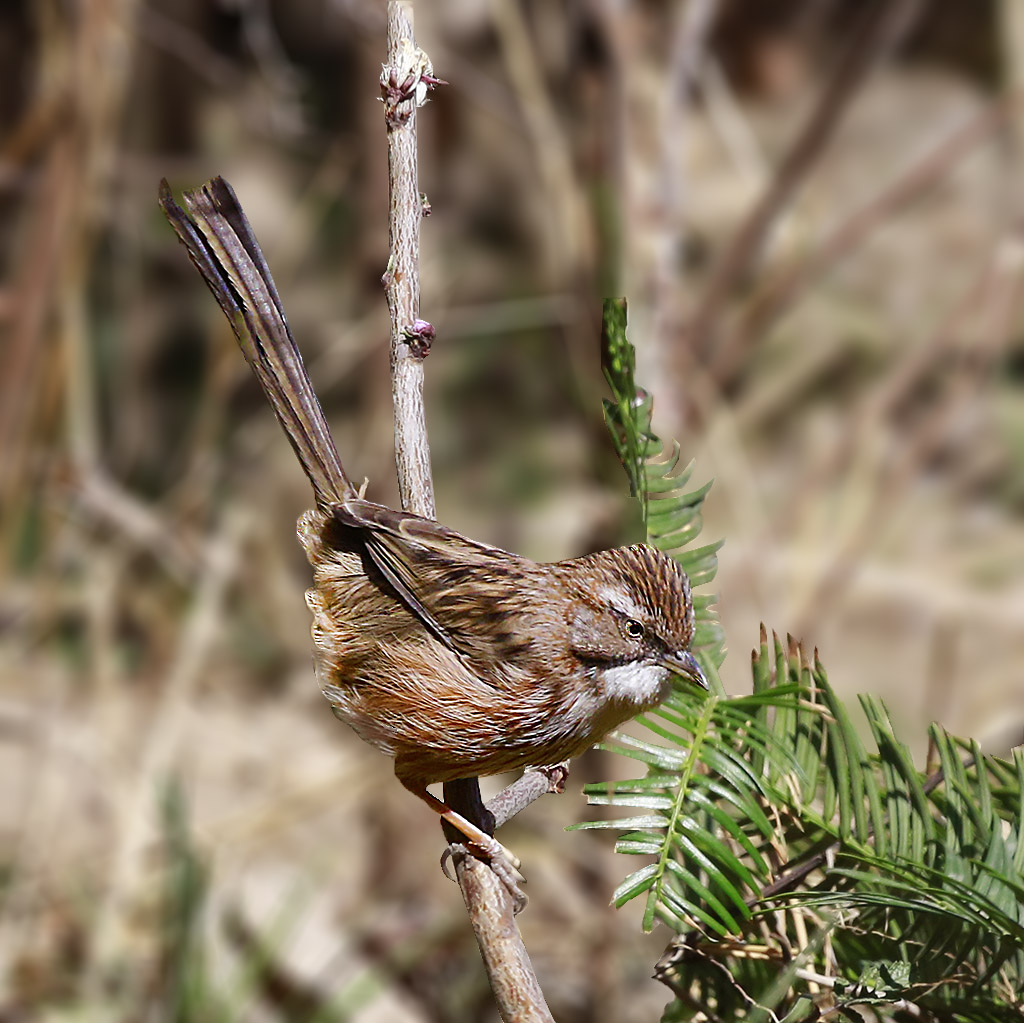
[634, 629]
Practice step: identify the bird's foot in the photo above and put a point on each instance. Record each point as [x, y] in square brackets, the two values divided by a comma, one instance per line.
[502, 862]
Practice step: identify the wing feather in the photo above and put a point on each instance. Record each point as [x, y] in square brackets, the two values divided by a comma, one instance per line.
[456, 586]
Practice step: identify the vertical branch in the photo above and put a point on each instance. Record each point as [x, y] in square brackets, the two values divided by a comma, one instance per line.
[404, 80]
[402, 85]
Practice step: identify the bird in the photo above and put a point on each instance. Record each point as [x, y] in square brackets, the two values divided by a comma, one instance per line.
[454, 657]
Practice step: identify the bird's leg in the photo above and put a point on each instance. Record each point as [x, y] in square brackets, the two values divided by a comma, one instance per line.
[463, 796]
[481, 844]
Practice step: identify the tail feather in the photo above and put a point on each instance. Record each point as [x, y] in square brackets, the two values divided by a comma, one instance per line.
[222, 246]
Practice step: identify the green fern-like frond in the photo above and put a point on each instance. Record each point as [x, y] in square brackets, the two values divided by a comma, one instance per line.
[671, 511]
[703, 816]
[705, 868]
[921, 869]
[786, 842]
[628, 412]
[673, 517]
[880, 871]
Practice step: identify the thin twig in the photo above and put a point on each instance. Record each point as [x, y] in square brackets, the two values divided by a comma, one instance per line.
[509, 970]
[508, 965]
[536, 782]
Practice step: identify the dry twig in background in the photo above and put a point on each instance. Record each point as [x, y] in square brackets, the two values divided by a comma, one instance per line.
[883, 25]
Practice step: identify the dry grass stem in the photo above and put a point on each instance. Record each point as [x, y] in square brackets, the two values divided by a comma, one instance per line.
[116, 938]
[565, 225]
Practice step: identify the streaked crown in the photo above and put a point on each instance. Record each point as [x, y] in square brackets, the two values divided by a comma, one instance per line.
[647, 585]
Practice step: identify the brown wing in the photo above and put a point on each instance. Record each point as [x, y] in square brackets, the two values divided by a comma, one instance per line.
[464, 592]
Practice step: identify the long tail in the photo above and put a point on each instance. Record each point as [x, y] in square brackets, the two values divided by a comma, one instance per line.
[222, 246]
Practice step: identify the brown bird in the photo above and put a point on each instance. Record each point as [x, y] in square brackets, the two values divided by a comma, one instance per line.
[456, 658]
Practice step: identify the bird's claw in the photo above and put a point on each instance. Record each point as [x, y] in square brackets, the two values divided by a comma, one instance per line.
[509, 875]
[447, 856]
[503, 863]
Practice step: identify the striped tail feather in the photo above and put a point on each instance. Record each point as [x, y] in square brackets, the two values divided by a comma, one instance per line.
[224, 249]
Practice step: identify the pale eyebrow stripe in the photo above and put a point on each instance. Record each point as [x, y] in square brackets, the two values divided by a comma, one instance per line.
[620, 602]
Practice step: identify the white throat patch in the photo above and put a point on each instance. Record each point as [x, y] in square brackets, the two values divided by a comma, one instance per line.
[636, 683]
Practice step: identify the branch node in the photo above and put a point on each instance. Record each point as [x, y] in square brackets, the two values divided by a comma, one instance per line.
[419, 336]
[405, 84]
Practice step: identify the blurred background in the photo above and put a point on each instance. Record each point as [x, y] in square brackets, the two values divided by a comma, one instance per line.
[815, 208]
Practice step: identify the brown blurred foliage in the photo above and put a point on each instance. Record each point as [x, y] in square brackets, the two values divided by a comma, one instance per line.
[184, 828]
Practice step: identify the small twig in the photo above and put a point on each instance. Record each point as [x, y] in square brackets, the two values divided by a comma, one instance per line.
[536, 782]
[509, 970]
[511, 974]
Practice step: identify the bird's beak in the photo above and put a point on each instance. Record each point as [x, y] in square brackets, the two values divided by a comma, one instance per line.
[685, 664]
